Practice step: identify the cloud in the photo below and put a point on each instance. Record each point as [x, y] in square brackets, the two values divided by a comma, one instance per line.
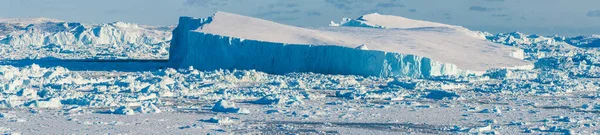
[277, 9]
[348, 5]
[389, 5]
[500, 15]
[206, 3]
[313, 13]
[595, 13]
[483, 9]
[277, 12]
[268, 13]
[447, 16]
[286, 18]
[365, 6]
[522, 18]
[279, 5]
[114, 12]
[340, 4]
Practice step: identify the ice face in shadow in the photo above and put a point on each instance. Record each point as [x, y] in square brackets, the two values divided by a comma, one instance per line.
[222, 42]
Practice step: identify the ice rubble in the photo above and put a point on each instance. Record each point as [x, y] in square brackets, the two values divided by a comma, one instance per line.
[41, 37]
[45, 32]
[131, 93]
[225, 120]
[519, 39]
[555, 56]
[221, 42]
[228, 107]
[169, 90]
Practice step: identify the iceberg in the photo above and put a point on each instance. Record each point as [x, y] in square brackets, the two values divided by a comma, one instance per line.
[230, 41]
[38, 38]
[517, 38]
[44, 31]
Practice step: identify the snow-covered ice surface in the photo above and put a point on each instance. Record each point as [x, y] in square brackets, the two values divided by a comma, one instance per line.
[223, 42]
[74, 93]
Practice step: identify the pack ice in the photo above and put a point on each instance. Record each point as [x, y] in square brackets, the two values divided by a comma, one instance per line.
[37, 38]
[398, 47]
[44, 31]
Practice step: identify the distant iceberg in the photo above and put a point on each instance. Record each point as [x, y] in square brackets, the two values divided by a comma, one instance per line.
[44, 31]
[229, 41]
[38, 38]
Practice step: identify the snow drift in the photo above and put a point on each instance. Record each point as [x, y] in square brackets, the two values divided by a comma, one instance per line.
[229, 41]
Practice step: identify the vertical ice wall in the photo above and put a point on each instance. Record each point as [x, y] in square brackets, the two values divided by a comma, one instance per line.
[179, 42]
[206, 51]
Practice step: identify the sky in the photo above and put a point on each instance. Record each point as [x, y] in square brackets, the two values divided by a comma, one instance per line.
[543, 17]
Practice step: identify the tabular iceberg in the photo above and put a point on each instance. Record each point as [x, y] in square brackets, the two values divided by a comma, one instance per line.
[229, 41]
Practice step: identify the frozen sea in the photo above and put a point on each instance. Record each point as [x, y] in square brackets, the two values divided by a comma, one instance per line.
[61, 77]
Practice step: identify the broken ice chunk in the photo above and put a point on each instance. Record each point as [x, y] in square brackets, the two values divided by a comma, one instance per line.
[148, 108]
[124, 110]
[228, 107]
[269, 99]
[441, 94]
[51, 103]
[225, 120]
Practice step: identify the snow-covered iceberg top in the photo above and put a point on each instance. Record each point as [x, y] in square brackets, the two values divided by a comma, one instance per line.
[376, 20]
[380, 21]
[232, 41]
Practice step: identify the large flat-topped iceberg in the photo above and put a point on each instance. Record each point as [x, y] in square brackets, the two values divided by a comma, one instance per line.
[229, 41]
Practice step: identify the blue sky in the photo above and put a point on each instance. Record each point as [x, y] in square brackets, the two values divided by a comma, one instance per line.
[545, 17]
